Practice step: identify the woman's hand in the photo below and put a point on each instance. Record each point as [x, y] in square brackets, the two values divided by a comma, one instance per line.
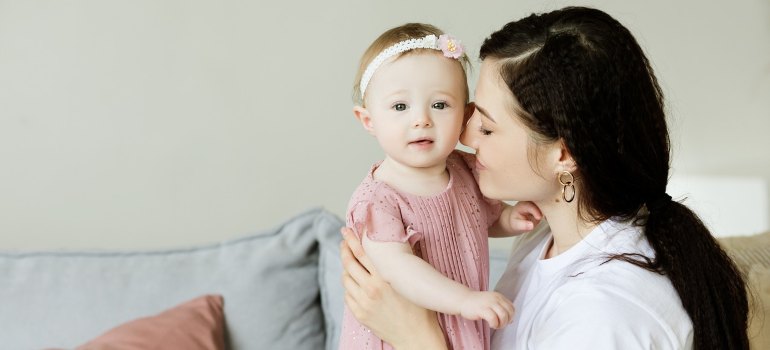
[375, 304]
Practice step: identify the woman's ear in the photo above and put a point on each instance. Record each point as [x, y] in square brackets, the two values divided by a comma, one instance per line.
[557, 158]
[363, 116]
[565, 161]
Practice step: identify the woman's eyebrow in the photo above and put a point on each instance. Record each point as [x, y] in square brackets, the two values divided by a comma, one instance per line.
[485, 113]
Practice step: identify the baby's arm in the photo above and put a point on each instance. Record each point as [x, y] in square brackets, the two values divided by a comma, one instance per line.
[516, 219]
[419, 282]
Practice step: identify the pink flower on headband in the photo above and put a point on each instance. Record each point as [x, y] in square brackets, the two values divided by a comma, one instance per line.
[451, 47]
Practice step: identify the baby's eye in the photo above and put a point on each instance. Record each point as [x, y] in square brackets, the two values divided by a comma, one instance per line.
[439, 105]
[399, 106]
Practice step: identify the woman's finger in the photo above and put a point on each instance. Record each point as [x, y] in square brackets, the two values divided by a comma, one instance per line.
[357, 249]
[353, 242]
[353, 306]
[348, 282]
[352, 267]
[353, 290]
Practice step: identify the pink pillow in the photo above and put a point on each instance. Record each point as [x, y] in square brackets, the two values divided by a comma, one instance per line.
[195, 324]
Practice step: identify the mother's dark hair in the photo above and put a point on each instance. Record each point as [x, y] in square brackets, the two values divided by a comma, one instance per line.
[581, 77]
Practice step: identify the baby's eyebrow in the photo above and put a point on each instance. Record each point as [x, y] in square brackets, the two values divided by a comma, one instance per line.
[395, 93]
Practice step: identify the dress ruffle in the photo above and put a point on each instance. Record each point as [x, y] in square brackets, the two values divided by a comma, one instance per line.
[382, 224]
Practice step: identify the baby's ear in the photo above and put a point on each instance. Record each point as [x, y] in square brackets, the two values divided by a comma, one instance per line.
[363, 116]
[469, 109]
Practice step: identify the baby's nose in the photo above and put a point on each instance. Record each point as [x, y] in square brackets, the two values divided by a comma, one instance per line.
[422, 120]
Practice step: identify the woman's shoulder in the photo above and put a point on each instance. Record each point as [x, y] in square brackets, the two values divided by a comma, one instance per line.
[590, 315]
[619, 281]
[617, 296]
[603, 276]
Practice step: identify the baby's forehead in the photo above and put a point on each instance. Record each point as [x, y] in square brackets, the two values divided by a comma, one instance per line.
[427, 62]
[437, 55]
[418, 73]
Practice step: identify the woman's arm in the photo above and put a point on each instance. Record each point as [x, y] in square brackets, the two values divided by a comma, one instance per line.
[375, 304]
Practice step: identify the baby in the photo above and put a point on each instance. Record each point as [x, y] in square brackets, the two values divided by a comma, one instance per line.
[419, 213]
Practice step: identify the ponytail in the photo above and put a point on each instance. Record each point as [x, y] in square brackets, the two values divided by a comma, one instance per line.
[709, 284]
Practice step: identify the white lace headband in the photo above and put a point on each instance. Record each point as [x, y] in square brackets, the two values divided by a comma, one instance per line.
[451, 47]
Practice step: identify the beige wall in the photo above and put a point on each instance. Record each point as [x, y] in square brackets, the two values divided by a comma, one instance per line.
[164, 123]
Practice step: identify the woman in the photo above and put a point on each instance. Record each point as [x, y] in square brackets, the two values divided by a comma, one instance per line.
[570, 116]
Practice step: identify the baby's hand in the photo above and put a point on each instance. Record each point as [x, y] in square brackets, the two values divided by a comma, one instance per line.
[493, 307]
[524, 217]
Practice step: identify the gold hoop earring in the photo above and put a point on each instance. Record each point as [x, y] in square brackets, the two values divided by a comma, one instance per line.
[567, 181]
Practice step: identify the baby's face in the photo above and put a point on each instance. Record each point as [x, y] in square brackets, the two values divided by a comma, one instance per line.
[416, 103]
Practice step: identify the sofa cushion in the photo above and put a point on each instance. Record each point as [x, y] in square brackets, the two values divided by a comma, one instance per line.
[752, 256]
[748, 251]
[330, 282]
[269, 281]
[759, 324]
[198, 324]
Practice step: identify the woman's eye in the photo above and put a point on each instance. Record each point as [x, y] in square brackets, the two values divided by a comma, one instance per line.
[485, 132]
[439, 105]
[399, 106]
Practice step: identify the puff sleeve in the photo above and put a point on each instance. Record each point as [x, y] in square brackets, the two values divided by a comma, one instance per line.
[380, 217]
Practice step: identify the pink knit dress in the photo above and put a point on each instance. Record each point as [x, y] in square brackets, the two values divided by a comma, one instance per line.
[448, 230]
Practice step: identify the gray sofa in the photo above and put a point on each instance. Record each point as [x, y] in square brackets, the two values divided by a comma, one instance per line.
[281, 288]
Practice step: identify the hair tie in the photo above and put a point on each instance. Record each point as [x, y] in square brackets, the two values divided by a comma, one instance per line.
[659, 202]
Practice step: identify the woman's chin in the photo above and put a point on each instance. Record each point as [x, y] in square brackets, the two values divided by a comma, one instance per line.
[491, 192]
[500, 193]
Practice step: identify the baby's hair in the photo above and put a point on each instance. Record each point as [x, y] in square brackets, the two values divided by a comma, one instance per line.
[392, 37]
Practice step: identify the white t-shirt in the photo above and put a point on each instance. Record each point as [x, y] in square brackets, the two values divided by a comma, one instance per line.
[573, 301]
